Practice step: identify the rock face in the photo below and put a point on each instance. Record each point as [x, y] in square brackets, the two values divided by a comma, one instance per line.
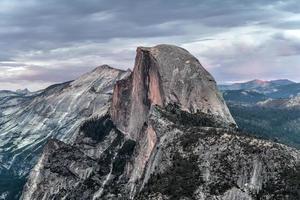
[167, 135]
[162, 75]
[81, 171]
[28, 120]
[208, 162]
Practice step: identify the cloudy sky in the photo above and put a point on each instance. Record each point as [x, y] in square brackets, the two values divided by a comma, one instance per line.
[49, 41]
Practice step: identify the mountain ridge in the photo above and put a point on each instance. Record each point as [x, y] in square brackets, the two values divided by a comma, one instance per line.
[271, 112]
[255, 83]
[155, 144]
[29, 120]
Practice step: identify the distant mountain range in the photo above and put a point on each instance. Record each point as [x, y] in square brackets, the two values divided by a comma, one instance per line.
[259, 90]
[269, 109]
[257, 84]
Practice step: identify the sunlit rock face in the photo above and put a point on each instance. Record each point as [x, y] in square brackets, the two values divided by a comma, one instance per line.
[162, 75]
[167, 135]
[28, 120]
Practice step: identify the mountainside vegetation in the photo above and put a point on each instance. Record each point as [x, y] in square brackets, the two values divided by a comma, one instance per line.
[270, 110]
[281, 125]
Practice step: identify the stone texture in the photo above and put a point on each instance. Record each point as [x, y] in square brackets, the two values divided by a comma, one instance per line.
[28, 120]
[199, 162]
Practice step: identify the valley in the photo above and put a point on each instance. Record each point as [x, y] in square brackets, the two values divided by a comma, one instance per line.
[270, 110]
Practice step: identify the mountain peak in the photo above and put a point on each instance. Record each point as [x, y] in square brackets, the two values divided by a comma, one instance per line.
[162, 75]
[256, 84]
[282, 81]
[23, 91]
[101, 73]
[105, 67]
[259, 81]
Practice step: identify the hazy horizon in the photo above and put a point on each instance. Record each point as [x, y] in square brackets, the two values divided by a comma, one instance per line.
[218, 83]
[47, 42]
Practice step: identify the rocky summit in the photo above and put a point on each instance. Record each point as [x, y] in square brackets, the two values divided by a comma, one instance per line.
[167, 134]
[28, 120]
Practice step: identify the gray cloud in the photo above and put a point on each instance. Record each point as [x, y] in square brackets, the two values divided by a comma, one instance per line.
[56, 40]
[272, 58]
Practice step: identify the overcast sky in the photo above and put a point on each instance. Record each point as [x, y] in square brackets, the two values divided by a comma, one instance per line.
[49, 41]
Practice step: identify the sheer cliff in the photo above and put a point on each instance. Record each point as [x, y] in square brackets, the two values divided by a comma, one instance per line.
[165, 74]
[167, 135]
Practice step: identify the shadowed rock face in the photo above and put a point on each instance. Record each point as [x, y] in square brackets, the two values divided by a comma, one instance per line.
[83, 170]
[168, 135]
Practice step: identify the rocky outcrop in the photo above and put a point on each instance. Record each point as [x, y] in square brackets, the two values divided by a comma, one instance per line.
[167, 135]
[82, 170]
[162, 75]
[208, 162]
[28, 120]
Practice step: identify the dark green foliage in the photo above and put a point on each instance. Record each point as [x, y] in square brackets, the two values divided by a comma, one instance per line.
[243, 96]
[293, 181]
[274, 91]
[180, 180]
[107, 159]
[224, 170]
[92, 89]
[96, 128]
[188, 141]
[224, 179]
[115, 155]
[269, 123]
[12, 183]
[286, 91]
[183, 118]
[123, 156]
[285, 186]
